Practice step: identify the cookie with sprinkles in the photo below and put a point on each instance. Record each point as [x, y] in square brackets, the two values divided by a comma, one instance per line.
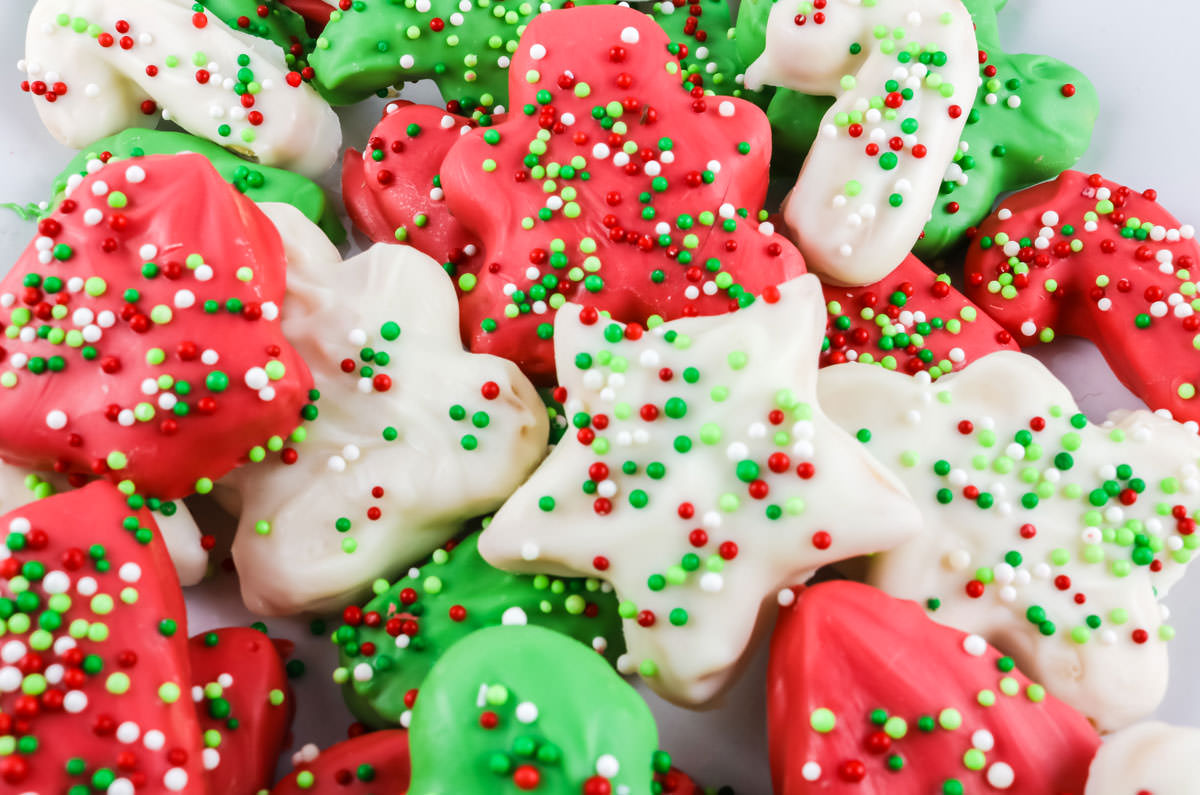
[272, 20]
[408, 436]
[1032, 118]
[611, 184]
[1088, 257]
[96, 67]
[1150, 758]
[701, 478]
[512, 709]
[143, 338]
[867, 695]
[244, 706]
[258, 182]
[904, 78]
[703, 33]
[1049, 536]
[387, 647]
[393, 189]
[375, 763]
[94, 661]
[912, 321]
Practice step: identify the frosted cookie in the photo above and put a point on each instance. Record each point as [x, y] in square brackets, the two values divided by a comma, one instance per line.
[387, 647]
[912, 321]
[866, 695]
[1045, 534]
[408, 435]
[524, 708]
[702, 478]
[610, 186]
[244, 707]
[1149, 758]
[904, 79]
[1032, 117]
[393, 189]
[94, 664]
[1087, 257]
[96, 67]
[371, 764]
[143, 340]
[258, 182]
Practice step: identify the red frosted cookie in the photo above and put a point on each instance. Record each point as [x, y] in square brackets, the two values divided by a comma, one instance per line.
[609, 184]
[1087, 257]
[912, 321]
[143, 341]
[393, 190]
[370, 764]
[240, 689]
[94, 663]
[867, 695]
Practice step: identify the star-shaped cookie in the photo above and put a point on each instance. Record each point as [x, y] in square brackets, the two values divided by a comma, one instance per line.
[1047, 535]
[702, 478]
[410, 435]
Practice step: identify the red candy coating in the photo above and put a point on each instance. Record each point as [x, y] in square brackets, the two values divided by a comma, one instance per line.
[339, 770]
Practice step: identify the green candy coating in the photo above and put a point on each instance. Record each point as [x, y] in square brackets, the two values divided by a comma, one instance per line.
[561, 714]
[257, 182]
[281, 25]
[717, 60]
[458, 577]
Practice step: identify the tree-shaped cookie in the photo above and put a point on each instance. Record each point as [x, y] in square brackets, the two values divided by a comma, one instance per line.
[375, 763]
[510, 709]
[94, 679]
[1049, 536]
[409, 435]
[143, 341]
[609, 184]
[702, 477]
[866, 695]
[1088, 257]
[1150, 758]
[96, 67]
[912, 321]
[388, 646]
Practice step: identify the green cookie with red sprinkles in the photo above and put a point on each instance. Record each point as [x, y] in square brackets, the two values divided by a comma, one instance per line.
[913, 321]
[387, 648]
[609, 184]
[94, 668]
[1088, 257]
[375, 763]
[244, 706]
[867, 695]
[143, 336]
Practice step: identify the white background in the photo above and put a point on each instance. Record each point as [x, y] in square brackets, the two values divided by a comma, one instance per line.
[1143, 62]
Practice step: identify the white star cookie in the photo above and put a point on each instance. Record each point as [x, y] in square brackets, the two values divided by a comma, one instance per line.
[96, 67]
[700, 478]
[1147, 757]
[412, 434]
[1044, 533]
[904, 73]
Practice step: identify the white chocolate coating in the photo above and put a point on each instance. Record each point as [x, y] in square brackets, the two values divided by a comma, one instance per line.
[430, 483]
[1149, 757]
[740, 391]
[840, 212]
[1023, 472]
[106, 86]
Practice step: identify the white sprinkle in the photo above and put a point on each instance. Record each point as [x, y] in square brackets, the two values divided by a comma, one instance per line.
[135, 174]
[256, 378]
[363, 672]
[527, 712]
[530, 551]
[983, 740]
[537, 52]
[128, 732]
[210, 357]
[1001, 775]
[974, 645]
[56, 420]
[75, 701]
[786, 597]
[93, 216]
[211, 758]
[607, 765]
[629, 35]
[175, 779]
[726, 108]
[514, 617]
[811, 771]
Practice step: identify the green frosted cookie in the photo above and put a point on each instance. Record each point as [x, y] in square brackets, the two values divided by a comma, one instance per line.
[388, 647]
[260, 183]
[270, 20]
[514, 709]
[1032, 119]
[462, 45]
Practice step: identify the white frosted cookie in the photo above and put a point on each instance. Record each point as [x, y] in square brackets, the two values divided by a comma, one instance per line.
[1045, 534]
[905, 74]
[700, 478]
[412, 435]
[96, 67]
[1149, 758]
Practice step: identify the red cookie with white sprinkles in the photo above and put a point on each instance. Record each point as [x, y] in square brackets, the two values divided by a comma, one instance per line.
[868, 696]
[94, 664]
[913, 321]
[610, 184]
[1088, 257]
[370, 764]
[143, 336]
